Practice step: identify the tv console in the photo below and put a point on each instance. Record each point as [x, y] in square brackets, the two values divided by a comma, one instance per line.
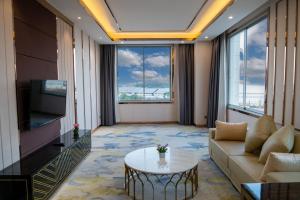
[39, 174]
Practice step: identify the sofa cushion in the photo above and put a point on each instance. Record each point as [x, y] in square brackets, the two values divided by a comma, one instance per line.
[245, 169]
[281, 162]
[221, 150]
[230, 131]
[285, 177]
[281, 141]
[296, 148]
[263, 128]
[231, 148]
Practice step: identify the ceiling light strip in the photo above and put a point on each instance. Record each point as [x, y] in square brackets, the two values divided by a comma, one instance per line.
[195, 17]
[205, 19]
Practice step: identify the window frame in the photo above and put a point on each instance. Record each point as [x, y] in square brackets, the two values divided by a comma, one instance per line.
[249, 24]
[171, 74]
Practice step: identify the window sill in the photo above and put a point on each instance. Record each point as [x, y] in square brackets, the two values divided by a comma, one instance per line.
[244, 111]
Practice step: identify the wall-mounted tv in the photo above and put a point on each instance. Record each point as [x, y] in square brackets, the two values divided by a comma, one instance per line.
[47, 101]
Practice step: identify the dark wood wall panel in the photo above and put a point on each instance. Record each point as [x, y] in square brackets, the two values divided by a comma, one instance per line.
[39, 137]
[36, 16]
[32, 42]
[42, 69]
[36, 58]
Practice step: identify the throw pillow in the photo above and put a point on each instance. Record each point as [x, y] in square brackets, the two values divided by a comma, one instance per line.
[230, 131]
[281, 162]
[263, 128]
[281, 141]
[296, 148]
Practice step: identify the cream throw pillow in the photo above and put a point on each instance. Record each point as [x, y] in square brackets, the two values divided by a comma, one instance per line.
[263, 128]
[230, 131]
[281, 141]
[281, 162]
[296, 148]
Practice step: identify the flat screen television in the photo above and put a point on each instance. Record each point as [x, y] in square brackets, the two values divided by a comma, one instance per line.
[47, 101]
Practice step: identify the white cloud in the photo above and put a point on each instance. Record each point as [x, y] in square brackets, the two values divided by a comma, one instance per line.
[257, 34]
[128, 58]
[256, 68]
[150, 76]
[157, 60]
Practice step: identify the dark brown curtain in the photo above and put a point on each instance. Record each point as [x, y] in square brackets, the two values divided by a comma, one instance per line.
[107, 84]
[213, 95]
[186, 83]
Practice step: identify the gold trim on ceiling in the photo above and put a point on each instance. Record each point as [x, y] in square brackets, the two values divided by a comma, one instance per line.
[104, 18]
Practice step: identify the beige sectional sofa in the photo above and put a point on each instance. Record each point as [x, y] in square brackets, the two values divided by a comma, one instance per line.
[241, 167]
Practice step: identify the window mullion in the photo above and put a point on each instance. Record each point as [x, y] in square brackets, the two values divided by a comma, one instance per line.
[144, 97]
[245, 69]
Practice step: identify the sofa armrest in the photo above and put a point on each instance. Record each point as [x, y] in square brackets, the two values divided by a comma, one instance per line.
[287, 177]
[211, 133]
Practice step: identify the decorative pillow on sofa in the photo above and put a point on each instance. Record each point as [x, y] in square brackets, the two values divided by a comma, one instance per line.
[281, 162]
[296, 148]
[281, 141]
[263, 128]
[230, 131]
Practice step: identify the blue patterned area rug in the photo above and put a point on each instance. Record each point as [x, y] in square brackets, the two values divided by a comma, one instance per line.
[101, 175]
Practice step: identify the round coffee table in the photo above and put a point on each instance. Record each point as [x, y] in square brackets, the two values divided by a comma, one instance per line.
[178, 166]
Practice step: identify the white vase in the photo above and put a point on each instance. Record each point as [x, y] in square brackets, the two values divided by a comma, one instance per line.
[162, 155]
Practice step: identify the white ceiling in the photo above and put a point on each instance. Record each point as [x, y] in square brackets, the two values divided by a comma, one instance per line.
[239, 10]
[72, 9]
[150, 15]
[154, 15]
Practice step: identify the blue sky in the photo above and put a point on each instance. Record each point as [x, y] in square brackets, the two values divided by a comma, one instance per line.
[132, 66]
[256, 53]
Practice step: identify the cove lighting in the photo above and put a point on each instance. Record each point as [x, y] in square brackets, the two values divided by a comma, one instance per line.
[102, 16]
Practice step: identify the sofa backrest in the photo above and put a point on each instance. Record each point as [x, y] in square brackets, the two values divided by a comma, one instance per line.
[296, 148]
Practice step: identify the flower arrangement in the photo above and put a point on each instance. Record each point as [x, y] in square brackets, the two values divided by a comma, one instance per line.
[76, 131]
[162, 148]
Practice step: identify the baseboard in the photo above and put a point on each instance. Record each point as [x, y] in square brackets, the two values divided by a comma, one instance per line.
[201, 125]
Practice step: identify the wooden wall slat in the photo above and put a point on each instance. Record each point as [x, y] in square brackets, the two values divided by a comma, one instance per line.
[9, 134]
[4, 131]
[297, 76]
[290, 63]
[98, 83]
[87, 81]
[11, 76]
[66, 71]
[280, 62]
[93, 83]
[79, 78]
[271, 59]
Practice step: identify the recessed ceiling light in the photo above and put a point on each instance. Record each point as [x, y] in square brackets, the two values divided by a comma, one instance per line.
[230, 17]
[79, 18]
[206, 37]
[182, 41]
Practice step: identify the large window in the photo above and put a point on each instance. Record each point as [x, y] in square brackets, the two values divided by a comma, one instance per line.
[247, 67]
[144, 73]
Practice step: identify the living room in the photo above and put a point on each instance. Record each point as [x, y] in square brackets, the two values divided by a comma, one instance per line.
[137, 99]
